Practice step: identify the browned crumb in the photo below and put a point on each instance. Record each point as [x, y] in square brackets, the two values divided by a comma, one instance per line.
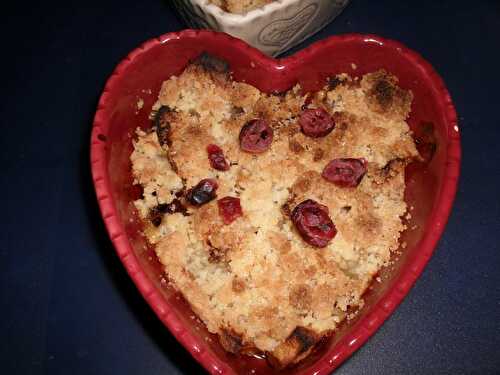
[318, 154]
[238, 285]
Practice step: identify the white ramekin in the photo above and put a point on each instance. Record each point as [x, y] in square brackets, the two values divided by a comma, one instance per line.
[273, 28]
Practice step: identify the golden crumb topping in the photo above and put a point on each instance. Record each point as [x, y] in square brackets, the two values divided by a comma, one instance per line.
[254, 279]
[240, 6]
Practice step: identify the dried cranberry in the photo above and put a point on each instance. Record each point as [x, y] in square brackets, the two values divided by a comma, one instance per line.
[256, 136]
[316, 122]
[229, 209]
[216, 158]
[313, 223]
[345, 172]
[203, 192]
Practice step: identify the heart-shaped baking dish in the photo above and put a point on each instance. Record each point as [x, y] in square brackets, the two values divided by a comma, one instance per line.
[126, 102]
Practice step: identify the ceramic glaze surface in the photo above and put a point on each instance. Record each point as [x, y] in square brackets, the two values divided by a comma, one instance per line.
[430, 188]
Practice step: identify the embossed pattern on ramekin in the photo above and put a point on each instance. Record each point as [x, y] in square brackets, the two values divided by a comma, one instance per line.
[362, 329]
[273, 28]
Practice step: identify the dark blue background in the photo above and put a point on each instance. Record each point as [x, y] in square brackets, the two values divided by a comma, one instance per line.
[67, 305]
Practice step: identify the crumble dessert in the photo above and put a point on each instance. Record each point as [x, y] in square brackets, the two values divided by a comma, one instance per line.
[240, 6]
[272, 213]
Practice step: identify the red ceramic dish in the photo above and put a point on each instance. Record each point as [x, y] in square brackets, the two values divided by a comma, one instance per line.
[430, 188]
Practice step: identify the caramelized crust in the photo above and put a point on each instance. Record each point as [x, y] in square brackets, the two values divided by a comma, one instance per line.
[296, 347]
[255, 282]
